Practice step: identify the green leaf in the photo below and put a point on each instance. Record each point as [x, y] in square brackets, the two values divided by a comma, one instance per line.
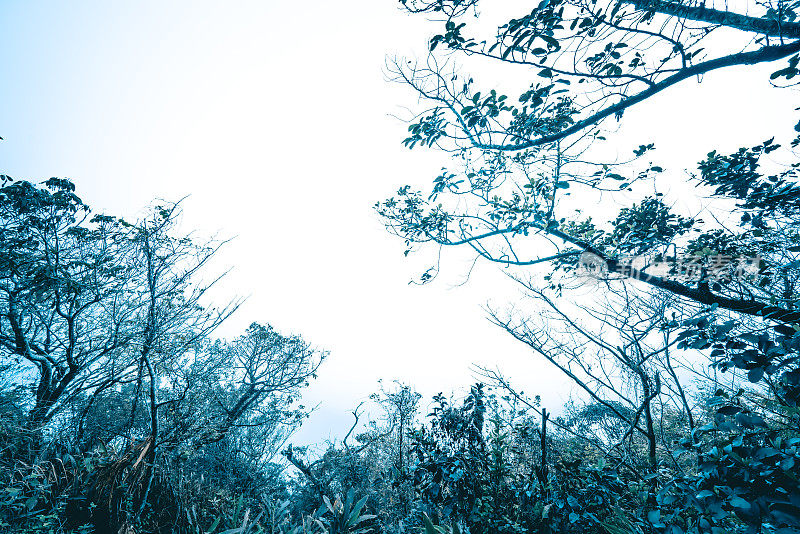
[430, 528]
[214, 525]
[328, 504]
[351, 520]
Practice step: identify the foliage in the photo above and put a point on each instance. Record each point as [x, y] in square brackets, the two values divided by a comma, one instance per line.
[678, 295]
[122, 413]
[119, 411]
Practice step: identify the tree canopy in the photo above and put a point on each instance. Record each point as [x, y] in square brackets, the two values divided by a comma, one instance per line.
[723, 280]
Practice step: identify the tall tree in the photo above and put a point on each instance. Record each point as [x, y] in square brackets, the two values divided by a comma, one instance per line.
[63, 294]
[731, 275]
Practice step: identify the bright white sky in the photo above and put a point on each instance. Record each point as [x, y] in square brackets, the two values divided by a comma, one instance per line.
[275, 118]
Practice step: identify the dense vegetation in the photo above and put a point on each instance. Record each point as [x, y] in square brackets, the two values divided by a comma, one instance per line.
[122, 412]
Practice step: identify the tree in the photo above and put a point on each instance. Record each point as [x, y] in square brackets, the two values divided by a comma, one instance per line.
[618, 53]
[400, 405]
[512, 188]
[108, 367]
[729, 277]
[619, 354]
[62, 295]
[506, 205]
[245, 389]
[171, 320]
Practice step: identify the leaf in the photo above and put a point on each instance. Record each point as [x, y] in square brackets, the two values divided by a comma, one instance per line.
[357, 510]
[238, 509]
[551, 42]
[738, 502]
[755, 374]
[214, 525]
[30, 503]
[729, 410]
[750, 420]
[327, 502]
[430, 528]
[363, 518]
[654, 516]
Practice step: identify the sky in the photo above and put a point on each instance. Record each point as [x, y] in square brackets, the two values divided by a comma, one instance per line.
[277, 123]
